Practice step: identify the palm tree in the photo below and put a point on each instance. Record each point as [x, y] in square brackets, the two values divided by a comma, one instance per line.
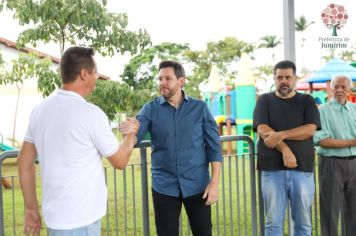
[270, 41]
[301, 25]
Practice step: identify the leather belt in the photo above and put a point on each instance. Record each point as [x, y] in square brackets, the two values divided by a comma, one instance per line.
[344, 157]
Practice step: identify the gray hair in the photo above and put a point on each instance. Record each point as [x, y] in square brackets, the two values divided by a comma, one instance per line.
[339, 77]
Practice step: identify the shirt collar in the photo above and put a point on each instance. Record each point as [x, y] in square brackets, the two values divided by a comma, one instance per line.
[347, 105]
[163, 99]
[68, 93]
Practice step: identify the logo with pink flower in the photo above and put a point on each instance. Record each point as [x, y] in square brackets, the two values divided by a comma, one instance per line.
[334, 17]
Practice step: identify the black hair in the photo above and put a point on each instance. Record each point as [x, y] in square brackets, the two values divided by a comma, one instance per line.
[285, 65]
[178, 68]
[73, 60]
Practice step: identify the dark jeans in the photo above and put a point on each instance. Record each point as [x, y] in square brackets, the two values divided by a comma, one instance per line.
[337, 180]
[167, 211]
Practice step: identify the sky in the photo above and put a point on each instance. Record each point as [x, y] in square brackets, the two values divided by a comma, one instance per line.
[199, 21]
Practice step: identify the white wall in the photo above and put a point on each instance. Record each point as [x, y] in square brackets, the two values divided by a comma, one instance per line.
[29, 98]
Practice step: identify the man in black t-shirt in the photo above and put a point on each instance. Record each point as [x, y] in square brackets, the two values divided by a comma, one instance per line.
[286, 121]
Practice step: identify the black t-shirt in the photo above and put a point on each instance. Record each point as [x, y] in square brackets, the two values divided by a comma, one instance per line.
[284, 114]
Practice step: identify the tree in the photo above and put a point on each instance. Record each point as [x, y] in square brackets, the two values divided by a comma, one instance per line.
[139, 74]
[111, 96]
[270, 41]
[223, 53]
[1, 60]
[301, 25]
[25, 67]
[264, 73]
[330, 54]
[348, 55]
[334, 17]
[77, 22]
[2, 4]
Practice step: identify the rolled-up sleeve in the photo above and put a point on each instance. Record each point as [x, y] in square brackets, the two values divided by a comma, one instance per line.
[324, 132]
[144, 117]
[320, 135]
[211, 137]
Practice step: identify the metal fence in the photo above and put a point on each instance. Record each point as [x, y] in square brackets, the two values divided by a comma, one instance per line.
[239, 210]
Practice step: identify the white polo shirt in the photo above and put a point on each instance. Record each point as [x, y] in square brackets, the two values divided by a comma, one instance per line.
[70, 136]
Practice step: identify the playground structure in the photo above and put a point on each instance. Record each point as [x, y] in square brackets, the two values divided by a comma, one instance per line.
[332, 68]
[233, 108]
[4, 147]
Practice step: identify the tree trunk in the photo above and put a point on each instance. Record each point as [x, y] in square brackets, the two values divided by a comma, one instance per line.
[62, 42]
[15, 118]
[61, 47]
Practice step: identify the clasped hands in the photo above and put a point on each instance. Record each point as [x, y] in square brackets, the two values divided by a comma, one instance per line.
[129, 126]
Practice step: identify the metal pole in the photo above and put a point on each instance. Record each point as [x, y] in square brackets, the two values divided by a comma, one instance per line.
[253, 185]
[144, 182]
[252, 175]
[289, 30]
[3, 156]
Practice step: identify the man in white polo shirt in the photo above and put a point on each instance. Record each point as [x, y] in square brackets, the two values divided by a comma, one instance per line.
[69, 136]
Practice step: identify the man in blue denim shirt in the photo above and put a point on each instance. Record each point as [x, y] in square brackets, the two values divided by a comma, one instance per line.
[184, 139]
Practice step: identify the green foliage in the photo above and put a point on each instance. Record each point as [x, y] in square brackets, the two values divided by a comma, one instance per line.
[25, 67]
[141, 71]
[78, 22]
[348, 55]
[270, 41]
[223, 53]
[1, 60]
[301, 24]
[264, 72]
[81, 22]
[112, 97]
[47, 84]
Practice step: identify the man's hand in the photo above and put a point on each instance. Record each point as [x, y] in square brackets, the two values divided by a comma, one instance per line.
[130, 126]
[211, 193]
[289, 159]
[272, 138]
[33, 223]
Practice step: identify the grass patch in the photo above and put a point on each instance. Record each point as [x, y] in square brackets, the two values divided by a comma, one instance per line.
[231, 216]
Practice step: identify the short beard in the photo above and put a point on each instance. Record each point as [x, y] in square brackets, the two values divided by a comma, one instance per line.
[284, 92]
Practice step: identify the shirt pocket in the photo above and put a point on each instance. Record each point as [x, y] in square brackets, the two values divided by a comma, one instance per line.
[191, 134]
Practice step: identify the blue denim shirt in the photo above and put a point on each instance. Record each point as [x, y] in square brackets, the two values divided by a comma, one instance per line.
[184, 141]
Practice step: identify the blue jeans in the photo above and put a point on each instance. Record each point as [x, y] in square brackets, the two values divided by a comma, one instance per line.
[93, 229]
[280, 186]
